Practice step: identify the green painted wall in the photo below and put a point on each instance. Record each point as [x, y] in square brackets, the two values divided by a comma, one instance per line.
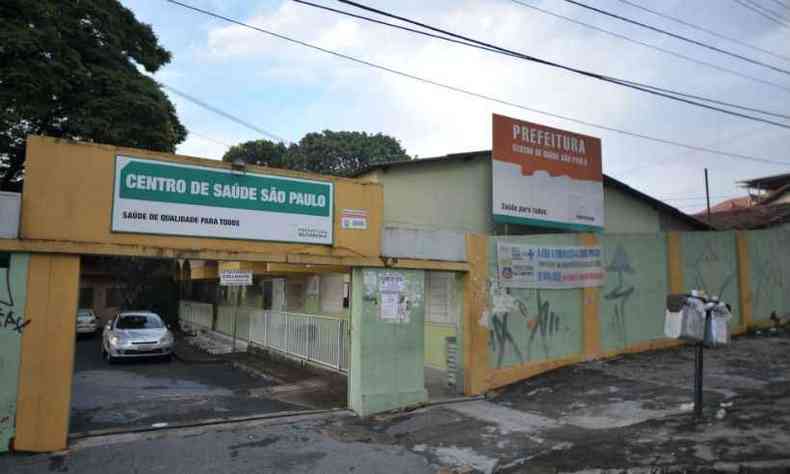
[432, 195]
[632, 301]
[769, 256]
[625, 215]
[419, 196]
[387, 357]
[13, 295]
[710, 262]
[546, 325]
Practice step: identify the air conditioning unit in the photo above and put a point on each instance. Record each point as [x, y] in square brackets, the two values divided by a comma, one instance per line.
[10, 205]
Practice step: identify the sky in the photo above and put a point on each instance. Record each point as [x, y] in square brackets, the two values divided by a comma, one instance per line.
[288, 90]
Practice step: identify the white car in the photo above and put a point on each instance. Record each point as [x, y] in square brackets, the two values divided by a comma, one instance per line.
[86, 322]
[136, 334]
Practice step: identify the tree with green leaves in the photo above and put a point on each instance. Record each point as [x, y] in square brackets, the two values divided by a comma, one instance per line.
[258, 152]
[69, 69]
[336, 153]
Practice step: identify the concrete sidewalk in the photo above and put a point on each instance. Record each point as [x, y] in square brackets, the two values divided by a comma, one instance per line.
[629, 414]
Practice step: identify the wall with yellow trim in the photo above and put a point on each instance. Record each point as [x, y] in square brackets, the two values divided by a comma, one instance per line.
[69, 188]
[750, 269]
[47, 357]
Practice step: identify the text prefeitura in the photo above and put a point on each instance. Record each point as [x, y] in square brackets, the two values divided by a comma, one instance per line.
[223, 191]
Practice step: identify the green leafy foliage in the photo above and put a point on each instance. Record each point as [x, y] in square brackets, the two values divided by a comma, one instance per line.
[335, 153]
[72, 69]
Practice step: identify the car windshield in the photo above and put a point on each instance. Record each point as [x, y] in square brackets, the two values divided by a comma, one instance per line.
[84, 313]
[139, 321]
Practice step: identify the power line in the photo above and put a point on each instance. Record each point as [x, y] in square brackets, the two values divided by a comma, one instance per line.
[778, 15]
[781, 4]
[477, 94]
[494, 49]
[656, 48]
[695, 198]
[677, 36]
[206, 137]
[703, 29]
[222, 113]
[759, 11]
[650, 89]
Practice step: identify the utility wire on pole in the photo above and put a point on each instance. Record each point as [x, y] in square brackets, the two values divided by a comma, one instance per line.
[778, 15]
[761, 12]
[222, 113]
[665, 93]
[677, 36]
[494, 49]
[658, 48]
[703, 29]
[478, 95]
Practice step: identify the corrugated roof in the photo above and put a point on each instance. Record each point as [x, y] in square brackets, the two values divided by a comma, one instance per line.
[486, 154]
[768, 182]
[755, 217]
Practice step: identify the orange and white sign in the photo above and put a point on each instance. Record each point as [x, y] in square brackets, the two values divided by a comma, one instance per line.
[545, 176]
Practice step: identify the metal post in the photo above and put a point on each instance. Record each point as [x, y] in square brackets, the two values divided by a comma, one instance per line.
[236, 316]
[698, 362]
[707, 193]
[339, 343]
[698, 371]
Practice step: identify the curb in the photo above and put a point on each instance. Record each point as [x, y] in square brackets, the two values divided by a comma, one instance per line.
[776, 465]
[197, 361]
[200, 423]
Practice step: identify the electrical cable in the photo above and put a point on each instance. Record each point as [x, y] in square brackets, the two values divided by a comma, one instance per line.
[206, 137]
[656, 48]
[756, 9]
[679, 97]
[777, 15]
[677, 36]
[500, 51]
[518, 55]
[703, 29]
[781, 4]
[222, 113]
[480, 95]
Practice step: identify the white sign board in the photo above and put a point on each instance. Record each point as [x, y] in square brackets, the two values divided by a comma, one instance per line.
[542, 266]
[546, 177]
[158, 197]
[235, 278]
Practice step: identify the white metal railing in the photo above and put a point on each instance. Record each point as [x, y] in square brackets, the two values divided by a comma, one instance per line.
[318, 339]
[196, 314]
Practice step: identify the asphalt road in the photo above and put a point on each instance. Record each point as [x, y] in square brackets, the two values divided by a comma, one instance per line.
[143, 392]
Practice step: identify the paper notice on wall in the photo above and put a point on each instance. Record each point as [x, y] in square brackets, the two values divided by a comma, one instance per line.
[390, 306]
[391, 282]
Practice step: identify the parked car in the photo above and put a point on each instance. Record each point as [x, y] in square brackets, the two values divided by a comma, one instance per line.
[86, 321]
[136, 334]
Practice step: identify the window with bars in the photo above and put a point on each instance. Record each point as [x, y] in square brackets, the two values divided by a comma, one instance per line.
[438, 295]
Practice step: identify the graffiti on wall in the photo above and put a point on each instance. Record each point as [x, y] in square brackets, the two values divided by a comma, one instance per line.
[619, 295]
[7, 318]
[768, 271]
[542, 324]
[708, 266]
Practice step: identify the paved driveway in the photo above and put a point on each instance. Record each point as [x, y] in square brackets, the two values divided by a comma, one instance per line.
[139, 393]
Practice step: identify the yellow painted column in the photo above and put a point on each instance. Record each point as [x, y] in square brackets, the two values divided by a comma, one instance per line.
[475, 334]
[744, 279]
[674, 263]
[47, 358]
[591, 322]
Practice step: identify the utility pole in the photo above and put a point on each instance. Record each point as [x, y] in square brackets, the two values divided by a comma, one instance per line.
[707, 193]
